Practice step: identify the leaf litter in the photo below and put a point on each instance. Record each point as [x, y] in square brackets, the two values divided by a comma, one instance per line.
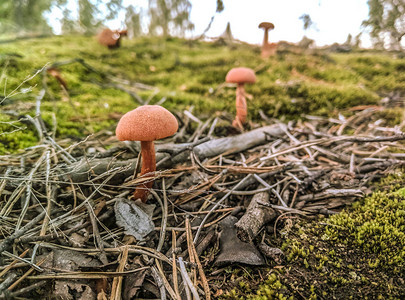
[64, 202]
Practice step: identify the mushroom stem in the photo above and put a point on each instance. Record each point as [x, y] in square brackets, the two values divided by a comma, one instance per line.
[241, 106]
[148, 166]
[266, 37]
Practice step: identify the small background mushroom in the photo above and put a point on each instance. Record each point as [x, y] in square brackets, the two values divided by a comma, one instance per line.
[240, 76]
[267, 49]
[111, 38]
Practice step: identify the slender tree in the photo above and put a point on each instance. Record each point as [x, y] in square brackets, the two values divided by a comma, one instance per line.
[306, 42]
[307, 21]
[386, 20]
[113, 8]
[68, 24]
[24, 16]
[87, 16]
[219, 9]
[169, 17]
[133, 21]
[88, 21]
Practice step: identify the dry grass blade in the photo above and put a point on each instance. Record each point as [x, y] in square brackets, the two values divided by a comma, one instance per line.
[22, 255]
[193, 253]
[166, 284]
[174, 266]
[190, 250]
[131, 249]
[26, 274]
[85, 275]
[117, 282]
[187, 280]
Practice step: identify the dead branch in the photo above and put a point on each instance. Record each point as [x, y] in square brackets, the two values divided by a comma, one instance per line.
[85, 170]
[332, 193]
[257, 215]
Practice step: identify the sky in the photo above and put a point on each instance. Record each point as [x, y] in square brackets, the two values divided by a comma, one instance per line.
[333, 19]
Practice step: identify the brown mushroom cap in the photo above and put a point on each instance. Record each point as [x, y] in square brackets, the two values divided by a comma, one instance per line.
[107, 37]
[266, 25]
[241, 75]
[146, 123]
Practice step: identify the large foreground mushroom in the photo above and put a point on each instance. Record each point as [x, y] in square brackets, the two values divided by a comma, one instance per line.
[240, 76]
[146, 124]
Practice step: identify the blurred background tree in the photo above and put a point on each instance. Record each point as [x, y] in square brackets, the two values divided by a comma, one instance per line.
[219, 8]
[169, 17]
[307, 21]
[133, 21]
[24, 16]
[165, 17]
[386, 19]
[88, 22]
[353, 42]
[306, 42]
[86, 16]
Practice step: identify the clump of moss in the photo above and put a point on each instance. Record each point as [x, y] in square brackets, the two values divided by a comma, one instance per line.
[15, 135]
[376, 226]
[380, 72]
[391, 116]
[272, 288]
[310, 98]
[359, 252]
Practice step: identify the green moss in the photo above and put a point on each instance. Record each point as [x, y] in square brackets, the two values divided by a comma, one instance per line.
[359, 252]
[391, 116]
[271, 289]
[15, 135]
[187, 74]
[376, 226]
[380, 72]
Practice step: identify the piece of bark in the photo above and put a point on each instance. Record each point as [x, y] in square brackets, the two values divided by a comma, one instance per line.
[87, 169]
[206, 241]
[234, 250]
[274, 253]
[257, 215]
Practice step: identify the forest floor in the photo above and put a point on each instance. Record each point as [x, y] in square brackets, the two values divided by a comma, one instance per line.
[322, 158]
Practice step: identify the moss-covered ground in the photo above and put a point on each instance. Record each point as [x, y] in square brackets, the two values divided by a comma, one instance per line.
[358, 253]
[185, 74]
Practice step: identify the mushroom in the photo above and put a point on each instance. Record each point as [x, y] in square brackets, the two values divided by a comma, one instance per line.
[54, 72]
[240, 76]
[267, 49]
[146, 124]
[111, 38]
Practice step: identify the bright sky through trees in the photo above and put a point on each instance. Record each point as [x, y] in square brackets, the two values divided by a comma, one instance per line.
[333, 19]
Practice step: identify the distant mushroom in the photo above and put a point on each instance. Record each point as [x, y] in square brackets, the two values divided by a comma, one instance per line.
[146, 124]
[111, 38]
[54, 72]
[240, 76]
[267, 49]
